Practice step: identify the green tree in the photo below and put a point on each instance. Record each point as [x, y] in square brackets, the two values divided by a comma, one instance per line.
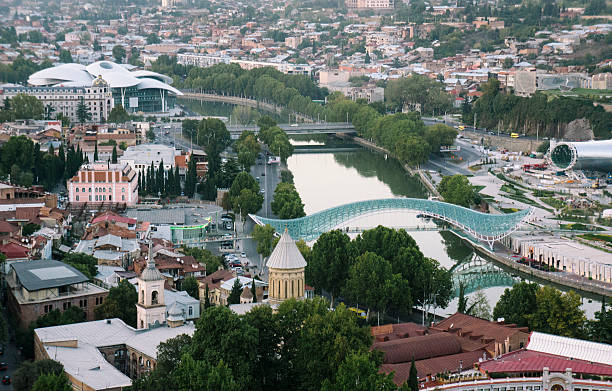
[118, 115]
[114, 155]
[191, 178]
[359, 372]
[247, 202]
[27, 107]
[371, 281]
[413, 378]
[28, 373]
[65, 56]
[264, 236]
[214, 137]
[287, 203]
[254, 291]
[456, 190]
[29, 229]
[516, 304]
[247, 148]
[152, 38]
[265, 122]
[543, 147]
[120, 303]
[508, 63]
[329, 263]
[463, 300]
[150, 135]
[95, 156]
[84, 263]
[557, 313]
[244, 115]
[600, 329]
[234, 296]
[119, 53]
[52, 382]
[83, 113]
[191, 286]
[207, 297]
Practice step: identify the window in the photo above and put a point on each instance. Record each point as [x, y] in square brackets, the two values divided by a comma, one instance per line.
[123, 190]
[84, 190]
[83, 303]
[122, 198]
[48, 308]
[109, 198]
[190, 310]
[77, 198]
[77, 189]
[89, 198]
[109, 190]
[154, 297]
[67, 305]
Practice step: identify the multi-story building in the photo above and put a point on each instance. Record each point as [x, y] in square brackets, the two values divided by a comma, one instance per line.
[38, 287]
[66, 99]
[141, 156]
[98, 183]
[203, 60]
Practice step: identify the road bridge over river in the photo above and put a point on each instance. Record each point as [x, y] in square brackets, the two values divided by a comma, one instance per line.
[299, 128]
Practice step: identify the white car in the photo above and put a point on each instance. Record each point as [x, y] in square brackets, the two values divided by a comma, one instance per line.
[243, 254]
[262, 191]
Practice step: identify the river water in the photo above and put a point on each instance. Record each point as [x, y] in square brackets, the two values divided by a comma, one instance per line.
[328, 179]
[338, 173]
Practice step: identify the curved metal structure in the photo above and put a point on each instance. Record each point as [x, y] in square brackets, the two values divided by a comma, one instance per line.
[482, 226]
[479, 274]
[586, 155]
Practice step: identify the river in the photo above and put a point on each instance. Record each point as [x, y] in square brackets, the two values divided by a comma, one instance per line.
[348, 173]
[328, 179]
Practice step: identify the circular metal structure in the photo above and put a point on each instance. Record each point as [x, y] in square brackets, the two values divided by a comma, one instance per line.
[586, 155]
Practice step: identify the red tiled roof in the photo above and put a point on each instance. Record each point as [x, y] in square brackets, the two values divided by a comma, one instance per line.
[418, 348]
[475, 328]
[433, 366]
[14, 250]
[114, 217]
[6, 227]
[530, 361]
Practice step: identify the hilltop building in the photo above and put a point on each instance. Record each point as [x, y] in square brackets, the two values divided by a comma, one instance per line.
[286, 271]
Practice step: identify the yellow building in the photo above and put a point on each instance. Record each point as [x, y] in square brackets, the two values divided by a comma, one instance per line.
[285, 271]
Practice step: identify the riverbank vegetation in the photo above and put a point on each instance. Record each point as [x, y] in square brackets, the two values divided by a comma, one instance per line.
[287, 203]
[382, 269]
[540, 113]
[548, 310]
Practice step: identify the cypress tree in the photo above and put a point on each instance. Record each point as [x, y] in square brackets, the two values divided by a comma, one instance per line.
[96, 152]
[254, 291]
[160, 178]
[170, 183]
[114, 157]
[62, 159]
[177, 181]
[207, 299]
[413, 380]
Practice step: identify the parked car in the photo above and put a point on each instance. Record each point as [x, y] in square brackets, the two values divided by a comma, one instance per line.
[243, 254]
[3, 366]
[6, 380]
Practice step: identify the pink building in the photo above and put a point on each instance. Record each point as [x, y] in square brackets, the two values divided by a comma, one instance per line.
[101, 182]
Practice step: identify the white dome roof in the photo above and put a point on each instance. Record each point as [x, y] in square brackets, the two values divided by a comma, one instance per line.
[60, 73]
[116, 75]
[103, 67]
[154, 75]
[286, 255]
[144, 84]
[120, 79]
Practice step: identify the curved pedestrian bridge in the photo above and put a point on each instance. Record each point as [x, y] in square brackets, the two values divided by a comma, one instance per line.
[482, 226]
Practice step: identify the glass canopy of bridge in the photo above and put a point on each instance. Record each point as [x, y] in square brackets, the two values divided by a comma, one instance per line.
[482, 226]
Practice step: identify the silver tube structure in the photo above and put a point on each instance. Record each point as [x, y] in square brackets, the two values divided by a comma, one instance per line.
[586, 155]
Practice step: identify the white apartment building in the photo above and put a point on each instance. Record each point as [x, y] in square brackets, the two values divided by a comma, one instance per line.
[98, 99]
[203, 60]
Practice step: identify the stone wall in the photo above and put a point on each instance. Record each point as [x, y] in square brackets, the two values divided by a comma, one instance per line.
[511, 144]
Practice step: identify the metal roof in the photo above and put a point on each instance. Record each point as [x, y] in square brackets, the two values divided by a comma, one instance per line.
[45, 274]
[286, 255]
[570, 347]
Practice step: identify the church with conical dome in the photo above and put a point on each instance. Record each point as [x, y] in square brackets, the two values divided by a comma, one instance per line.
[286, 271]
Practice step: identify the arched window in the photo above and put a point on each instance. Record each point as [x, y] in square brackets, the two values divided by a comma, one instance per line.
[292, 291]
[142, 296]
[154, 297]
